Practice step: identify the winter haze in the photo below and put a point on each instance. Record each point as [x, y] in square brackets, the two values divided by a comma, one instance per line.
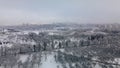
[14, 12]
[59, 34]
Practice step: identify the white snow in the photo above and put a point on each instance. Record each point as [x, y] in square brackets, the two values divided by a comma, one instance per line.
[23, 58]
[49, 62]
[97, 66]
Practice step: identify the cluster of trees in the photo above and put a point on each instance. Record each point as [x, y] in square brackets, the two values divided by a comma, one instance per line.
[73, 61]
[16, 61]
[49, 42]
[46, 42]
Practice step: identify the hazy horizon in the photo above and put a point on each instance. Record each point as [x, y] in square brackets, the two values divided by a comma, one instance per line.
[15, 12]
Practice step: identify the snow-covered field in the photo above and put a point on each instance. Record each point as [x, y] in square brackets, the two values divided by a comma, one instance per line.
[48, 61]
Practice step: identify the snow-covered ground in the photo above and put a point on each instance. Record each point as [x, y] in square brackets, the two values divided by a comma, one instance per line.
[23, 58]
[48, 61]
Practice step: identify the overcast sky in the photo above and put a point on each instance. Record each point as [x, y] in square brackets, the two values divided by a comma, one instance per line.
[13, 12]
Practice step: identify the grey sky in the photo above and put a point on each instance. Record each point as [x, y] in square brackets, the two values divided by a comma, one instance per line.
[49, 11]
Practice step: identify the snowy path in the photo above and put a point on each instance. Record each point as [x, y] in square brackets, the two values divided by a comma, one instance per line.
[48, 61]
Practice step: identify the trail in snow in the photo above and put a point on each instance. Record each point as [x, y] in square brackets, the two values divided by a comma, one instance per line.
[48, 61]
